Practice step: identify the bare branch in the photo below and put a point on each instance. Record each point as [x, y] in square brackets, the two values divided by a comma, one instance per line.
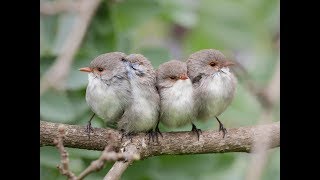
[119, 167]
[64, 166]
[107, 155]
[58, 72]
[211, 141]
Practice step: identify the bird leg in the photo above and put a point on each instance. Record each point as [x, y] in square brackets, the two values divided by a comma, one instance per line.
[196, 130]
[221, 128]
[89, 128]
[151, 134]
[157, 130]
[127, 135]
[154, 133]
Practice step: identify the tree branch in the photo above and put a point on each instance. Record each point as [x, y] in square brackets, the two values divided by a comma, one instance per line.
[108, 155]
[119, 167]
[236, 140]
[64, 156]
[58, 72]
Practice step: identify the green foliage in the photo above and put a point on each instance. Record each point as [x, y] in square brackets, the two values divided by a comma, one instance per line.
[143, 26]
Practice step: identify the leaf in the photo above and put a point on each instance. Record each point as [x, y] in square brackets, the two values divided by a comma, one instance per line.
[56, 107]
[129, 14]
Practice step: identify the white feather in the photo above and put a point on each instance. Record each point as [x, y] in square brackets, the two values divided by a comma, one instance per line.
[141, 105]
[178, 105]
[102, 99]
[220, 90]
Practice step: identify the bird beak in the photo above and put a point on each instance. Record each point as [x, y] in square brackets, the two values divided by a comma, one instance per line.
[227, 63]
[85, 69]
[183, 77]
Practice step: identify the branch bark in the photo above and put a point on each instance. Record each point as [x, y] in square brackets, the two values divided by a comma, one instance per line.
[173, 143]
[119, 167]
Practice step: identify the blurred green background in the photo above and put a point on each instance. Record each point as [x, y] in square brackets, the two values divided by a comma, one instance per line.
[163, 30]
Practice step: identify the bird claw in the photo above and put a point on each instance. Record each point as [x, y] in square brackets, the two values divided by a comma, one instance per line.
[157, 130]
[153, 135]
[127, 135]
[89, 129]
[221, 128]
[196, 130]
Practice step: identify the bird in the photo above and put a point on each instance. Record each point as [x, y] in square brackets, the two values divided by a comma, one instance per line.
[143, 112]
[213, 83]
[176, 95]
[108, 92]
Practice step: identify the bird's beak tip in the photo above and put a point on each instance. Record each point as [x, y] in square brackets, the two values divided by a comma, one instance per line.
[85, 69]
[184, 77]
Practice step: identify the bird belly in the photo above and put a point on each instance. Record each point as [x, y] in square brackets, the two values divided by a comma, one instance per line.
[146, 111]
[177, 107]
[103, 100]
[217, 96]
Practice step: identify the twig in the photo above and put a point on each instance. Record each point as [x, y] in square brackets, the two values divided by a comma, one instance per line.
[64, 166]
[119, 167]
[236, 140]
[117, 170]
[58, 72]
[107, 155]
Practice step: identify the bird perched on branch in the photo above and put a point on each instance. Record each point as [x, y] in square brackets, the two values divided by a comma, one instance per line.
[108, 92]
[176, 94]
[214, 84]
[142, 113]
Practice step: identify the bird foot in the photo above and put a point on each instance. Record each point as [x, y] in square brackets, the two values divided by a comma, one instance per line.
[89, 129]
[221, 128]
[154, 135]
[196, 130]
[127, 135]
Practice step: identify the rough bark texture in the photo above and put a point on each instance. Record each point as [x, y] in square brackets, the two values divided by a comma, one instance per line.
[211, 141]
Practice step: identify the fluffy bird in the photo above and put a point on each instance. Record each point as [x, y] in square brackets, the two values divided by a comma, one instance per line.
[108, 92]
[176, 94]
[142, 113]
[214, 84]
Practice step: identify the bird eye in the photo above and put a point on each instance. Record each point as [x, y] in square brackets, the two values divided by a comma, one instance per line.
[172, 77]
[100, 69]
[213, 64]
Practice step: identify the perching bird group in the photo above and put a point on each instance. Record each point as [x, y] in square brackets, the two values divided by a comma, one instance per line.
[125, 90]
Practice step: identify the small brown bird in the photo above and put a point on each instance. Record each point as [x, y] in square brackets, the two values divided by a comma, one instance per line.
[108, 92]
[214, 85]
[176, 94]
[143, 112]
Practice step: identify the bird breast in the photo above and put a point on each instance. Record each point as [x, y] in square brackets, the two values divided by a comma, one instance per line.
[177, 104]
[216, 93]
[103, 99]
